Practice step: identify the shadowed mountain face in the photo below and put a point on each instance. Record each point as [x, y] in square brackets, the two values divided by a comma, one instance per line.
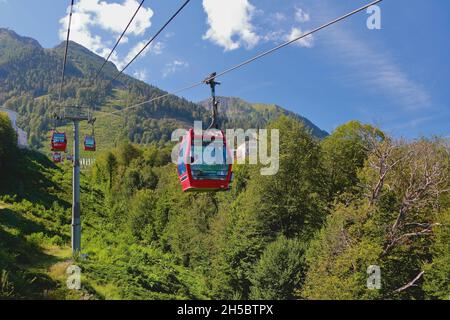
[29, 84]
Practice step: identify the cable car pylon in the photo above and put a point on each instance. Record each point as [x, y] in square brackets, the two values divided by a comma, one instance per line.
[248, 61]
[76, 115]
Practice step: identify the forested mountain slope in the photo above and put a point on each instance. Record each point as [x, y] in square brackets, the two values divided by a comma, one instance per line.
[29, 83]
[29, 80]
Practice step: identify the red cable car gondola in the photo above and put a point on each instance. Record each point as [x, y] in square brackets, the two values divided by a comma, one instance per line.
[57, 157]
[89, 143]
[89, 140]
[202, 162]
[59, 141]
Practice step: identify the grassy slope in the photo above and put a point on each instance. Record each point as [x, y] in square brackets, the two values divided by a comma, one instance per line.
[33, 230]
[35, 238]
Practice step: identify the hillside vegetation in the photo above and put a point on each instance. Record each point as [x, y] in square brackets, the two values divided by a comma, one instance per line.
[35, 217]
[358, 198]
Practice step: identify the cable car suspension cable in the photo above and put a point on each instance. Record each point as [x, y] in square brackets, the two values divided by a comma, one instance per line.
[66, 51]
[305, 35]
[151, 40]
[119, 40]
[259, 56]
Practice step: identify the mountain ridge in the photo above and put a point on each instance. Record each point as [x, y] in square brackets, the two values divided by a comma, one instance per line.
[29, 84]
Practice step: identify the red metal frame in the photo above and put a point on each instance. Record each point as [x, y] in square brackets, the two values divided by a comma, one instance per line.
[188, 183]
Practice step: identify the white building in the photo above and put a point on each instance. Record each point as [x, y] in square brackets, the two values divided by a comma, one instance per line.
[22, 137]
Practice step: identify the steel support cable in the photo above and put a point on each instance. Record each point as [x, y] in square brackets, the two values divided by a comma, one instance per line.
[151, 40]
[119, 40]
[263, 54]
[66, 51]
[307, 34]
[152, 100]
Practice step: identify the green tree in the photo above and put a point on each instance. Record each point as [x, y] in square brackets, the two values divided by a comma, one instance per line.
[111, 167]
[105, 169]
[127, 152]
[339, 256]
[187, 230]
[437, 272]
[142, 216]
[390, 224]
[280, 270]
[8, 141]
[344, 153]
[289, 203]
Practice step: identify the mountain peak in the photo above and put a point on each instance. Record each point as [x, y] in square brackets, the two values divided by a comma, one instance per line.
[73, 46]
[78, 52]
[8, 34]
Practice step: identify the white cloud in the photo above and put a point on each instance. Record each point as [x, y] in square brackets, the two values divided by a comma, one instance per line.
[109, 17]
[169, 34]
[173, 67]
[284, 26]
[301, 15]
[141, 74]
[157, 48]
[375, 68]
[154, 48]
[114, 16]
[414, 123]
[279, 16]
[306, 42]
[230, 23]
[274, 36]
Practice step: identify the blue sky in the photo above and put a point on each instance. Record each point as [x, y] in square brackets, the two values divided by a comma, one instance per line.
[397, 77]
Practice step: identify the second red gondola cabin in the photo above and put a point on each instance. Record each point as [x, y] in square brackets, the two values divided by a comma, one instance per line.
[57, 157]
[59, 141]
[89, 143]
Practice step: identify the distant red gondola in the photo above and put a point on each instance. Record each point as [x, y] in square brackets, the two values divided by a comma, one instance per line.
[57, 157]
[196, 173]
[59, 141]
[89, 143]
